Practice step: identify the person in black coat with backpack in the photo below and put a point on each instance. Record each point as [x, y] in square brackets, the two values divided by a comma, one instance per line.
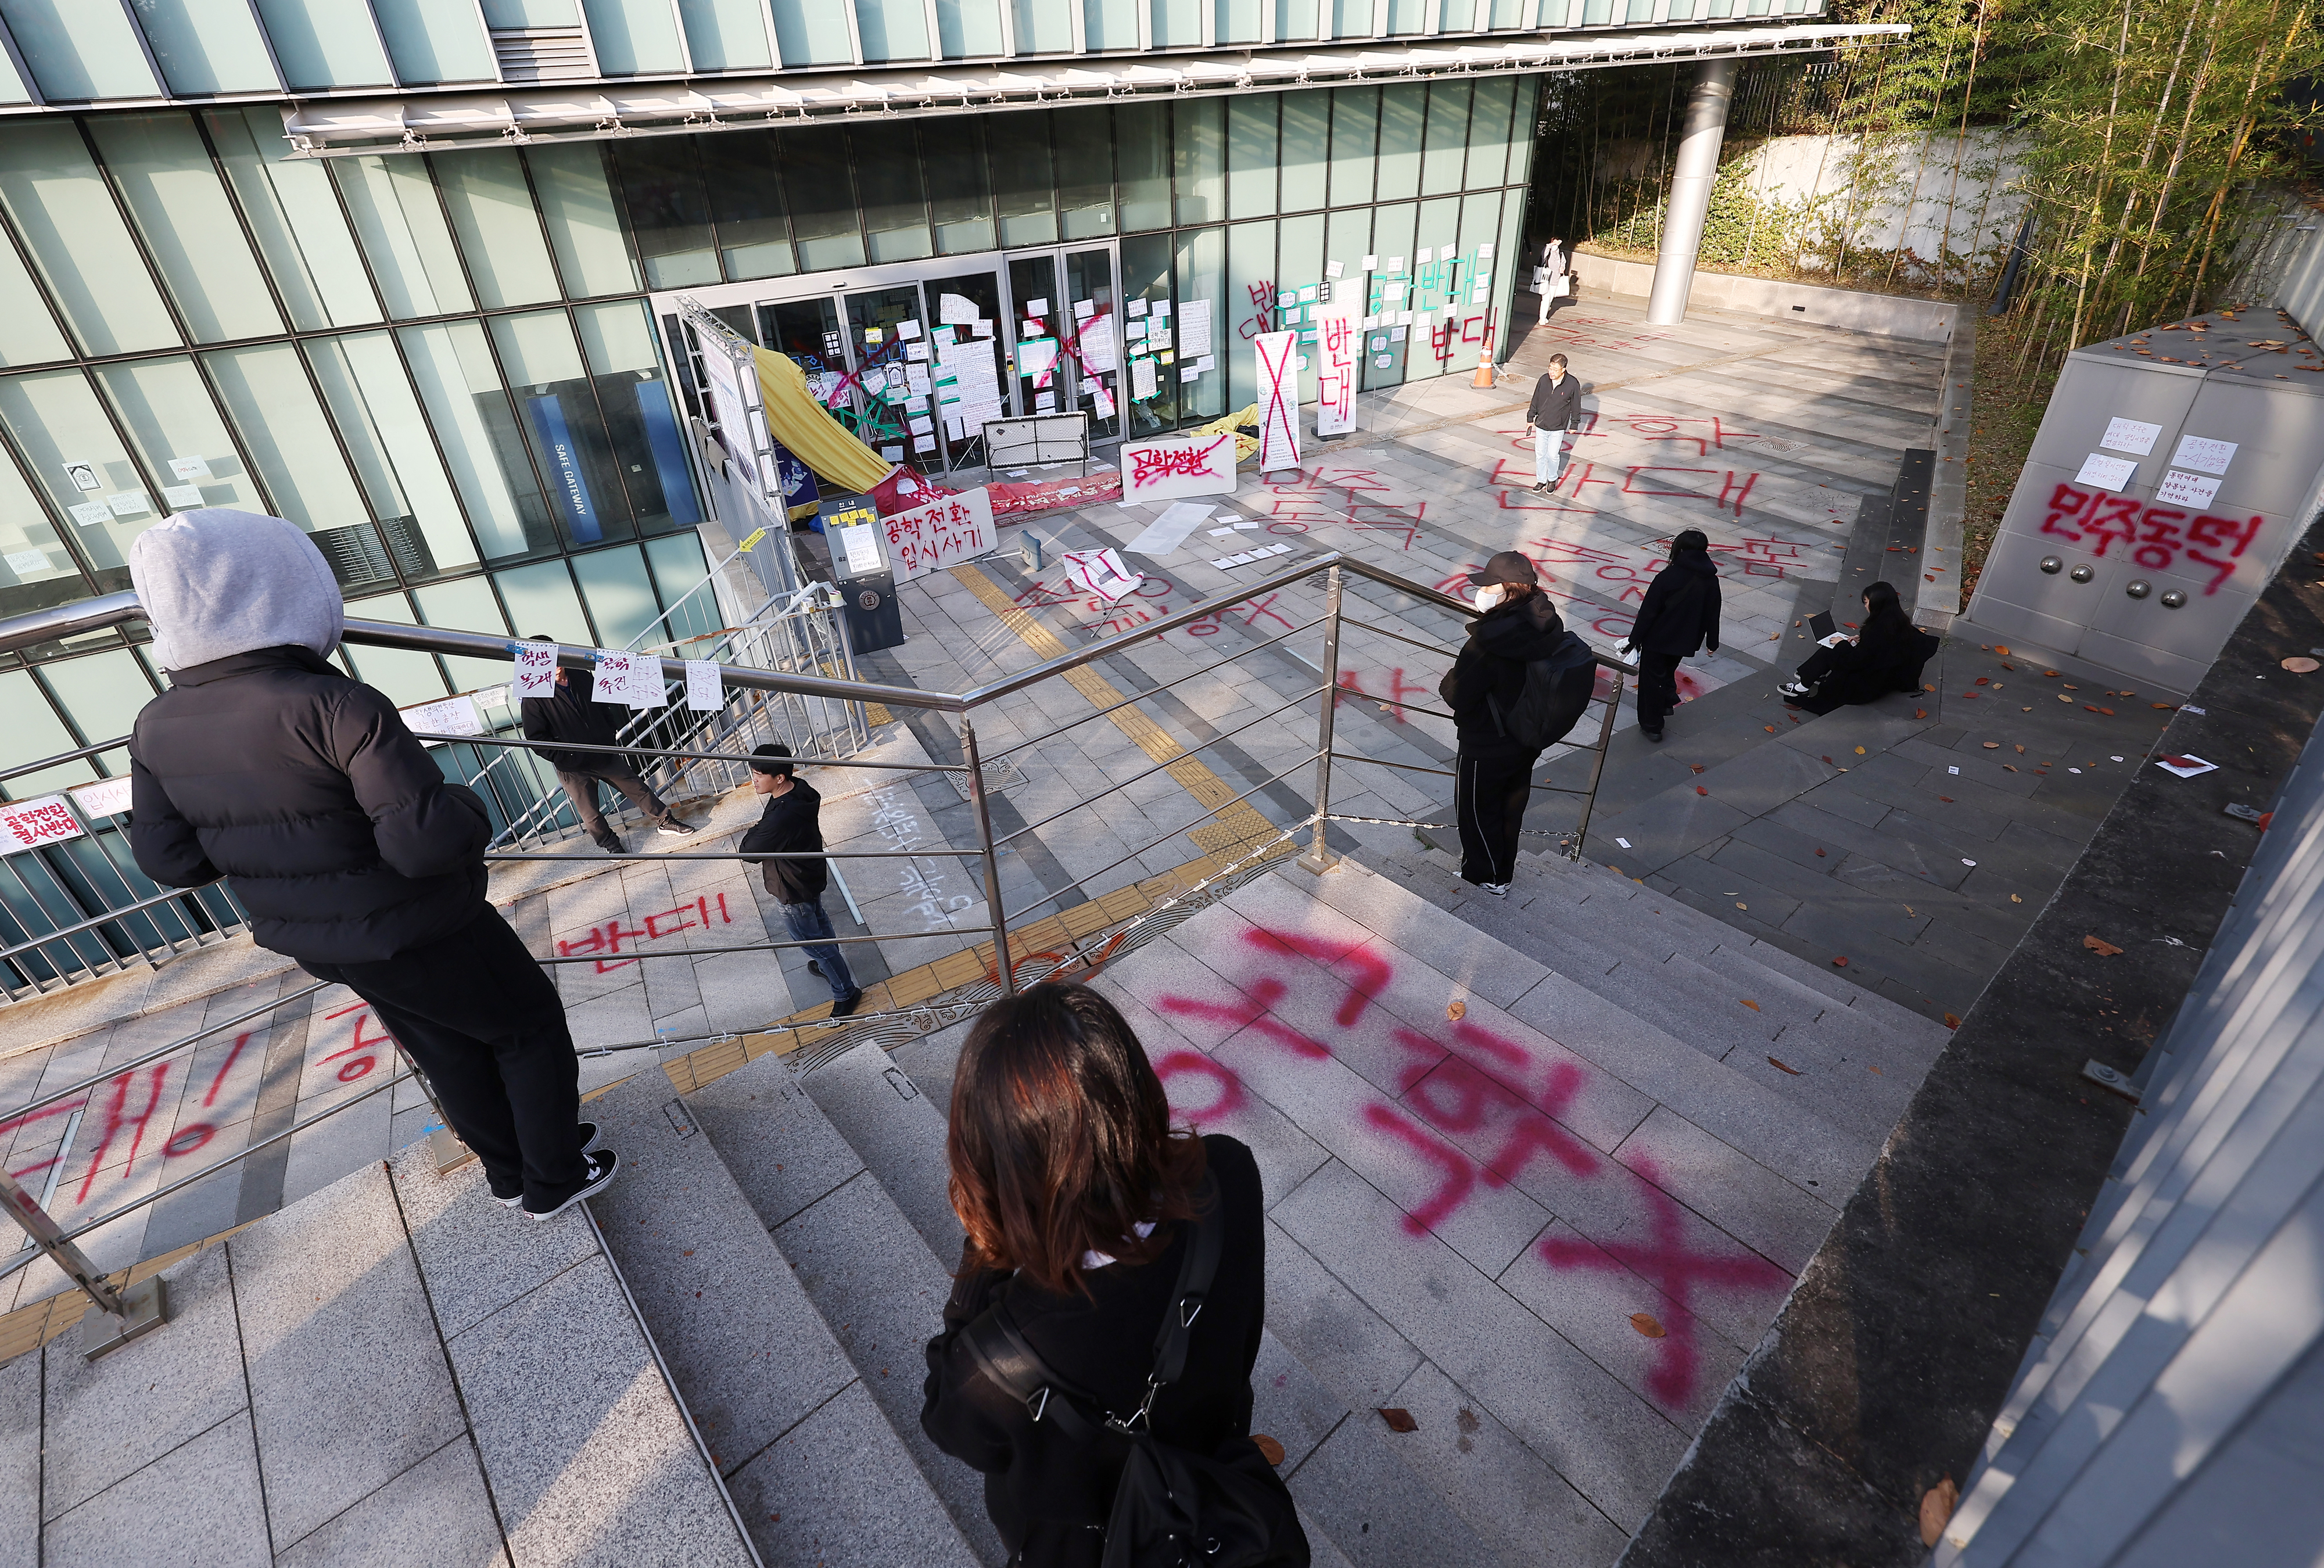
[1493, 772]
[1679, 616]
[1885, 656]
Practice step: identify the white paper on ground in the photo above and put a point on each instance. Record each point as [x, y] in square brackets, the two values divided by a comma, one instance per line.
[2186, 767]
[2105, 472]
[1167, 532]
[1214, 532]
[705, 693]
[1226, 563]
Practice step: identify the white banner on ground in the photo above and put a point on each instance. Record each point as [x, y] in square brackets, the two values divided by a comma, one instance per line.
[947, 530]
[1339, 344]
[1103, 573]
[1178, 465]
[1279, 400]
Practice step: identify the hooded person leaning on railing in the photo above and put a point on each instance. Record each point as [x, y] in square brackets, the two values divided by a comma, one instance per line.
[265, 764]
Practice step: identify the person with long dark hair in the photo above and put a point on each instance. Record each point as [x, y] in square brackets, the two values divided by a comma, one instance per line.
[1080, 1200]
[1885, 656]
[1678, 618]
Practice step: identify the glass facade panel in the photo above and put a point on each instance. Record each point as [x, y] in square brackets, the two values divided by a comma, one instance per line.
[1306, 150]
[291, 443]
[435, 41]
[1448, 138]
[1407, 16]
[892, 29]
[1141, 147]
[1249, 309]
[531, 13]
[325, 43]
[1198, 145]
[207, 46]
[1177, 23]
[617, 340]
[1251, 156]
[378, 417]
[960, 195]
[78, 459]
[36, 567]
[1237, 20]
[1488, 130]
[172, 189]
[618, 594]
[33, 732]
[173, 426]
[401, 222]
[811, 31]
[28, 334]
[669, 215]
[405, 677]
[823, 220]
[557, 408]
[1294, 19]
[1084, 171]
[541, 602]
[79, 244]
[585, 230]
[1392, 243]
[1042, 26]
[500, 235]
[1146, 269]
[1522, 132]
[468, 604]
[1403, 116]
[746, 202]
[1110, 23]
[633, 37]
[1351, 18]
[1298, 263]
[971, 29]
[78, 49]
[894, 205]
[100, 695]
[1458, 16]
[460, 387]
[1355, 130]
[1023, 186]
[294, 215]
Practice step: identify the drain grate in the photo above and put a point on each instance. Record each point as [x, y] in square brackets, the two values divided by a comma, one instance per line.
[999, 776]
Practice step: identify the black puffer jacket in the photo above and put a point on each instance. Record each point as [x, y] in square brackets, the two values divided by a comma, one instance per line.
[574, 713]
[306, 792]
[792, 824]
[1492, 667]
[1680, 613]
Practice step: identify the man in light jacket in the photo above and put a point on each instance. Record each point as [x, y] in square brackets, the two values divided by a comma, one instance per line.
[1556, 408]
[265, 764]
[792, 825]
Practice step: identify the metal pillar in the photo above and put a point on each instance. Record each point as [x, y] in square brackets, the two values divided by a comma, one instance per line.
[1689, 192]
[119, 1315]
[1003, 971]
[1318, 858]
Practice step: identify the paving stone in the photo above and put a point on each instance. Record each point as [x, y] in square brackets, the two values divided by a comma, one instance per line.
[1376, 1511]
[897, 1134]
[476, 1256]
[20, 1463]
[781, 1151]
[1742, 1197]
[436, 1512]
[1484, 968]
[1289, 1403]
[196, 1502]
[334, 1319]
[825, 1496]
[1346, 1344]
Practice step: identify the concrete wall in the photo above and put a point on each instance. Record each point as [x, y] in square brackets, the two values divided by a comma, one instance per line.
[2301, 290]
[1921, 194]
[1890, 315]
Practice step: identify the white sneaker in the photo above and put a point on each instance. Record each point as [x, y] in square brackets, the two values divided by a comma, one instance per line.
[1499, 890]
[1794, 689]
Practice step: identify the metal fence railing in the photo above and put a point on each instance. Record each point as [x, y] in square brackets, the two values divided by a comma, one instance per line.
[1235, 835]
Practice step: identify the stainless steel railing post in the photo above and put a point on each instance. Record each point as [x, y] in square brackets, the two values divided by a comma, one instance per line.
[1005, 971]
[1598, 765]
[119, 1315]
[1318, 858]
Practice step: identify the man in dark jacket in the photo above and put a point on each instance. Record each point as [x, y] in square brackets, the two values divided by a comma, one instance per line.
[1556, 408]
[352, 854]
[573, 713]
[791, 825]
[1493, 772]
[1679, 616]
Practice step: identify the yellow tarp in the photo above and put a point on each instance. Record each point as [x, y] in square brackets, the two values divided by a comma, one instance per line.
[1244, 445]
[806, 429]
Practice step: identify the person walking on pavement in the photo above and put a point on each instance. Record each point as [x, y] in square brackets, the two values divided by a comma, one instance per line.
[572, 714]
[1549, 278]
[354, 856]
[1678, 616]
[791, 825]
[1556, 408]
[1493, 770]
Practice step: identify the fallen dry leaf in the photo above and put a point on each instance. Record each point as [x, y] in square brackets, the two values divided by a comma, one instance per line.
[1795, 1072]
[1749, 1003]
[2052, 672]
[1998, 648]
[1937, 1509]
[2009, 767]
[1699, 789]
[1877, 1070]
[2072, 687]
[1398, 1419]
[1819, 853]
[2016, 900]
[1267, 1445]
[1993, 745]
[2159, 704]
[1946, 798]
[2108, 712]
[1952, 1021]
[1643, 1322]
[1840, 962]
[2021, 751]
[1860, 751]
[1696, 766]
[2101, 946]
[1769, 728]
[2301, 666]
[1740, 905]
[1983, 681]
[1920, 713]
[1456, 1011]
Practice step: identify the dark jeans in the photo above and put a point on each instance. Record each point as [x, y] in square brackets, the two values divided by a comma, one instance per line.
[805, 922]
[1816, 666]
[1490, 797]
[581, 788]
[1657, 687]
[485, 1023]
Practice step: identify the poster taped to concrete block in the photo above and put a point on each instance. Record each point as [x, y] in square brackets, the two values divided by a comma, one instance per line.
[2105, 472]
[1176, 467]
[2184, 489]
[2201, 453]
[1278, 400]
[947, 530]
[2130, 435]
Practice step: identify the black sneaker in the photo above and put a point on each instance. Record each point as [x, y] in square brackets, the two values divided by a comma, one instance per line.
[813, 967]
[588, 1133]
[671, 827]
[848, 1003]
[611, 845]
[1653, 734]
[601, 1165]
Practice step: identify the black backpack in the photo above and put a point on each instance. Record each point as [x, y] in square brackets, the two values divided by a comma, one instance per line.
[1556, 692]
[1174, 1508]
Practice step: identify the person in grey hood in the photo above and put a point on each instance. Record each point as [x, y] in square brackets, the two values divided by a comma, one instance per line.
[1678, 617]
[265, 764]
[1493, 772]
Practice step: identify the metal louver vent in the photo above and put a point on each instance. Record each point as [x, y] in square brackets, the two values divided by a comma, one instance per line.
[543, 54]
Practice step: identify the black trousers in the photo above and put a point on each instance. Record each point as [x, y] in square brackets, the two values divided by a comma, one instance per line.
[485, 1023]
[1657, 687]
[1489, 795]
[581, 788]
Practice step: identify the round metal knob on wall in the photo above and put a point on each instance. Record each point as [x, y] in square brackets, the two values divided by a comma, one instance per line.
[2081, 574]
[2138, 587]
[2052, 564]
[2172, 599]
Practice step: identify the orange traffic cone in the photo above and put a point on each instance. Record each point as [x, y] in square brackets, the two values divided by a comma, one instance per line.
[1484, 376]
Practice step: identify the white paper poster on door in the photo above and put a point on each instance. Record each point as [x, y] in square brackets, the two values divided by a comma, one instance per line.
[1279, 400]
[1337, 344]
[1179, 466]
[948, 530]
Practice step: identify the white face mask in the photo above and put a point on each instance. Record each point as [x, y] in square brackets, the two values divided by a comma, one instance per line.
[1489, 596]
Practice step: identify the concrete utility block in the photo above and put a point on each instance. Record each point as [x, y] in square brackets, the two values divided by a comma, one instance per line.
[1379, 1514]
[198, 1502]
[825, 1496]
[741, 1339]
[334, 1321]
[19, 1463]
[775, 1141]
[586, 1453]
[898, 1135]
[107, 1418]
[476, 1256]
[438, 1511]
[1516, 1504]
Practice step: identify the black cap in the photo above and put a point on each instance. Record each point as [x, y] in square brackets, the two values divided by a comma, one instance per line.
[776, 761]
[1693, 539]
[1506, 566]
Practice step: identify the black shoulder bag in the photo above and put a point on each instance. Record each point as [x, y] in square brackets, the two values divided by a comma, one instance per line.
[1174, 1508]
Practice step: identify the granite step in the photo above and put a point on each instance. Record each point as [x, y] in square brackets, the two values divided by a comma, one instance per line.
[870, 1276]
[799, 1436]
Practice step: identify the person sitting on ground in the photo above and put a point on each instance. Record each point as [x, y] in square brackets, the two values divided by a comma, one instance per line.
[572, 714]
[792, 824]
[1678, 618]
[1885, 656]
[1078, 1199]
[354, 854]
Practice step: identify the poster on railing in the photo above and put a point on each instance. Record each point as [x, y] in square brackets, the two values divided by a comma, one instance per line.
[634, 678]
[536, 670]
[705, 691]
[947, 530]
[1178, 466]
[436, 722]
[1339, 344]
[105, 798]
[30, 823]
[1279, 400]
